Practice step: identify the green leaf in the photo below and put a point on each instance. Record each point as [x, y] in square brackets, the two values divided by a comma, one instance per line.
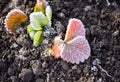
[49, 12]
[31, 31]
[38, 38]
[38, 20]
[31, 34]
[29, 28]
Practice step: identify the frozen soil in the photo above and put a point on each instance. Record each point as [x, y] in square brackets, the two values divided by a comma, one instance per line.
[20, 61]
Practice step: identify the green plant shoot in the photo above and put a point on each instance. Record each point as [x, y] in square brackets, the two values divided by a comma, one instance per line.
[40, 6]
[31, 31]
[40, 18]
[48, 13]
[38, 38]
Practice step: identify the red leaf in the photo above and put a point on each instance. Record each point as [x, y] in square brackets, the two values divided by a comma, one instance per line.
[75, 27]
[57, 47]
[13, 19]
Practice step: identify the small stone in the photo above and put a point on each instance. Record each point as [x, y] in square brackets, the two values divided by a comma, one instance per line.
[86, 69]
[87, 8]
[94, 68]
[36, 67]
[96, 62]
[26, 75]
[22, 51]
[59, 27]
[44, 64]
[5, 10]
[115, 33]
[61, 15]
[21, 57]
[45, 41]
[115, 3]
[48, 31]
[14, 45]
[74, 67]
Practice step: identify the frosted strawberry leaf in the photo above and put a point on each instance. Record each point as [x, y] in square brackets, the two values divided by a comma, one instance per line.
[57, 47]
[76, 50]
[75, 27]
[13, 19]
[48, 12]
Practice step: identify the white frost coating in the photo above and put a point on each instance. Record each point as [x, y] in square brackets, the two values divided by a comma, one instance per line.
[80, 30]
[74, 51]
[38, 20]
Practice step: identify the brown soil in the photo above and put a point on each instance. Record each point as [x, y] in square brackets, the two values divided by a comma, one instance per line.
[102, 23]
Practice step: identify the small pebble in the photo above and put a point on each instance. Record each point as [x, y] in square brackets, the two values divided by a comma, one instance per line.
[115, 33]
[61, 15]
[22, 51]
[44, 64]
[5, 10]
[87, 8]
[36, 67]
[74, 67]
[59, 27]
[26, 75]
[86, 69]
[14, 45]
[96, 62]
[48, 31]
